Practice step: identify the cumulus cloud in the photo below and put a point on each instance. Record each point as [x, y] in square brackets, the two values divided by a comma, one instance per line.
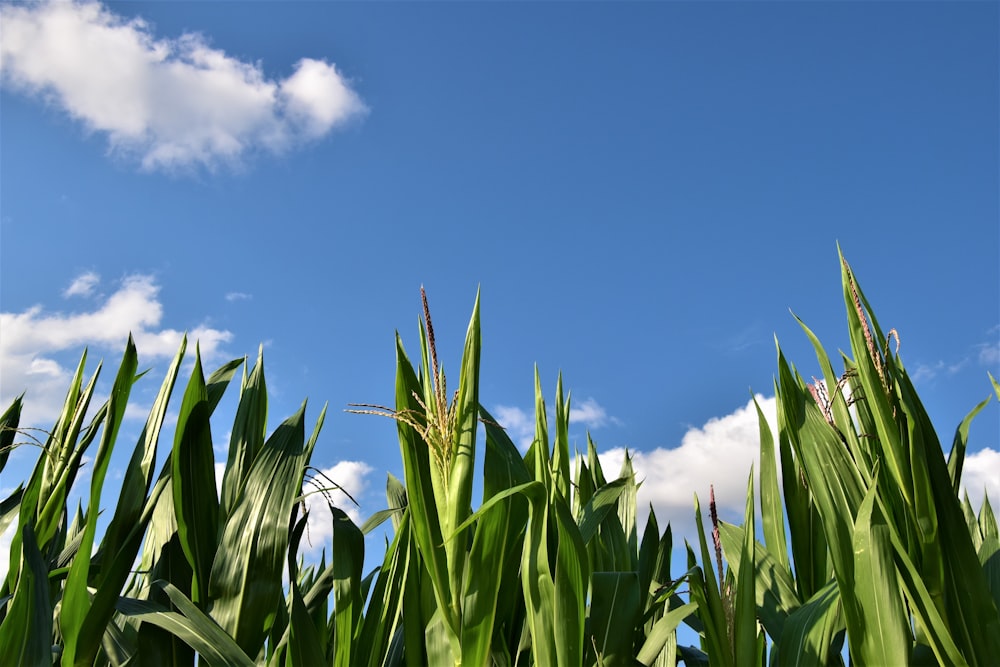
[350, 476]
[6, 539]
[36, 342]
[717, 454]
[170, 103]
[981, 472]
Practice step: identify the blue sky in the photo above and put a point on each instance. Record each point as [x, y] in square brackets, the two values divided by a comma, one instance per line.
[641, 190]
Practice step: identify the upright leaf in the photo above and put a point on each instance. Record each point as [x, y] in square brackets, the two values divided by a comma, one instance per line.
[193, 483]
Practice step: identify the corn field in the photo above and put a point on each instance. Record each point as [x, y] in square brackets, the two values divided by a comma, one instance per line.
[855, 543]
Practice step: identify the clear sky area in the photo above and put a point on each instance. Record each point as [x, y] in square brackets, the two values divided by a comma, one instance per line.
[642, 191]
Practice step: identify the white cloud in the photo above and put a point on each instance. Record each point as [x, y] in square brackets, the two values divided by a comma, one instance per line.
[83, 285]
[717, 454]
[589, 413]
[6, 538]
[926, 372]
[317, 97]
[520, 424]
[989, 354]
[238, 296]
[352, 477]
[170, 103]
[35, 341]
[981, 472]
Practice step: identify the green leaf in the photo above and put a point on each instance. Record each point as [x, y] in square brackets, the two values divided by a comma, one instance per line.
[9, 421]
[191, 625]
[246, 575]
[560, 448]
[808, 541]
[26, 631]
[614, 610]
[463, 462]
[124, 533]
[383, 616]
[884, 635]
[347, 559]
[193, 483]
[706, 594]
[497, 532]
[422, 503]
[248, 435]
[76, 599]
[775, 590]
[745, 603]
[772, 516]
[9, 508]
[809, 632]
[662, 631]
[600, 507]
[956, 458]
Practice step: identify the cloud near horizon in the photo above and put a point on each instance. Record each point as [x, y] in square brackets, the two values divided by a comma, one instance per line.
[718, 454]
[170, 103]
[36, 342]
[350, 476]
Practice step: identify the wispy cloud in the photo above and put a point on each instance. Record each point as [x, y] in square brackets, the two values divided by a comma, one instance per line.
[35, 340]
[985, 354]
[927, 372]
[738, 341]
[83, 285]
[520, 424]
[589, 413]
[170, 103]
[989, 353]
[238, 296]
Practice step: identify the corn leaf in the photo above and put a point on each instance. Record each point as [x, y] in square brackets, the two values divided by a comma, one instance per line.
[124, 533]
[26, 631]
[193, 483]
[772, 516]
[191, 625]
[956, 459]
[76, 600]
[245, 586]
[745, 647]
[885, 635]
[248, 435]
[347, 560]
[775, 589]
[615, 607]
[810, 631]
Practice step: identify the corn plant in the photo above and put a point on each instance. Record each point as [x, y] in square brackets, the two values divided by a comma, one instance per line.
[882, 549]
[865, 540]
[513, 582]
[209, 575]
[547, 570]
